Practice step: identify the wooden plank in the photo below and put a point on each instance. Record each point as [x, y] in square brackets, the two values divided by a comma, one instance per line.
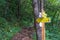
[43, 31]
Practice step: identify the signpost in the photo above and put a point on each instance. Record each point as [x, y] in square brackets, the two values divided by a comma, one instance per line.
[40, 18]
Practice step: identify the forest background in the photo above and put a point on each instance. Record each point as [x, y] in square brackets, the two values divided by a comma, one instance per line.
[14, 14]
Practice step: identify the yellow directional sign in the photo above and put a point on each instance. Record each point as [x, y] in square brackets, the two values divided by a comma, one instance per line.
[44, 14]
[47, 19]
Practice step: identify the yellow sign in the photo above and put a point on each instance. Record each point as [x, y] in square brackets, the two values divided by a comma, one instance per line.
[47, 19]
[44, 14]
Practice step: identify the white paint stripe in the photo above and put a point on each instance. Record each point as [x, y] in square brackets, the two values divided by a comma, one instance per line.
[40, 24]
[40, 14]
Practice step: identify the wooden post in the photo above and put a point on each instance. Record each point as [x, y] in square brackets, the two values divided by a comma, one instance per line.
[43, 24]
[40, 27]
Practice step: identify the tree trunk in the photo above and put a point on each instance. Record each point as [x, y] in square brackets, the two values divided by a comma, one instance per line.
[36, 14]
[18, 10]
[38, 7]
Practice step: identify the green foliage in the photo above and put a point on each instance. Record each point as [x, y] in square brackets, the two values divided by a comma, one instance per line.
[53, 10]
[10, 24]
[34, 36]
[7, 30]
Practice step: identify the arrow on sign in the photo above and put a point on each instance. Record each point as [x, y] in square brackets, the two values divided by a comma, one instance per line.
[45, 20]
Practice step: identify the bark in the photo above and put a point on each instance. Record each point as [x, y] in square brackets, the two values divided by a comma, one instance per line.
[38, 7]
[36, 14]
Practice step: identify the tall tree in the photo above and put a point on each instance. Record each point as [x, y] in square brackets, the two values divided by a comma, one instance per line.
[36, 14]
[38, 8]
